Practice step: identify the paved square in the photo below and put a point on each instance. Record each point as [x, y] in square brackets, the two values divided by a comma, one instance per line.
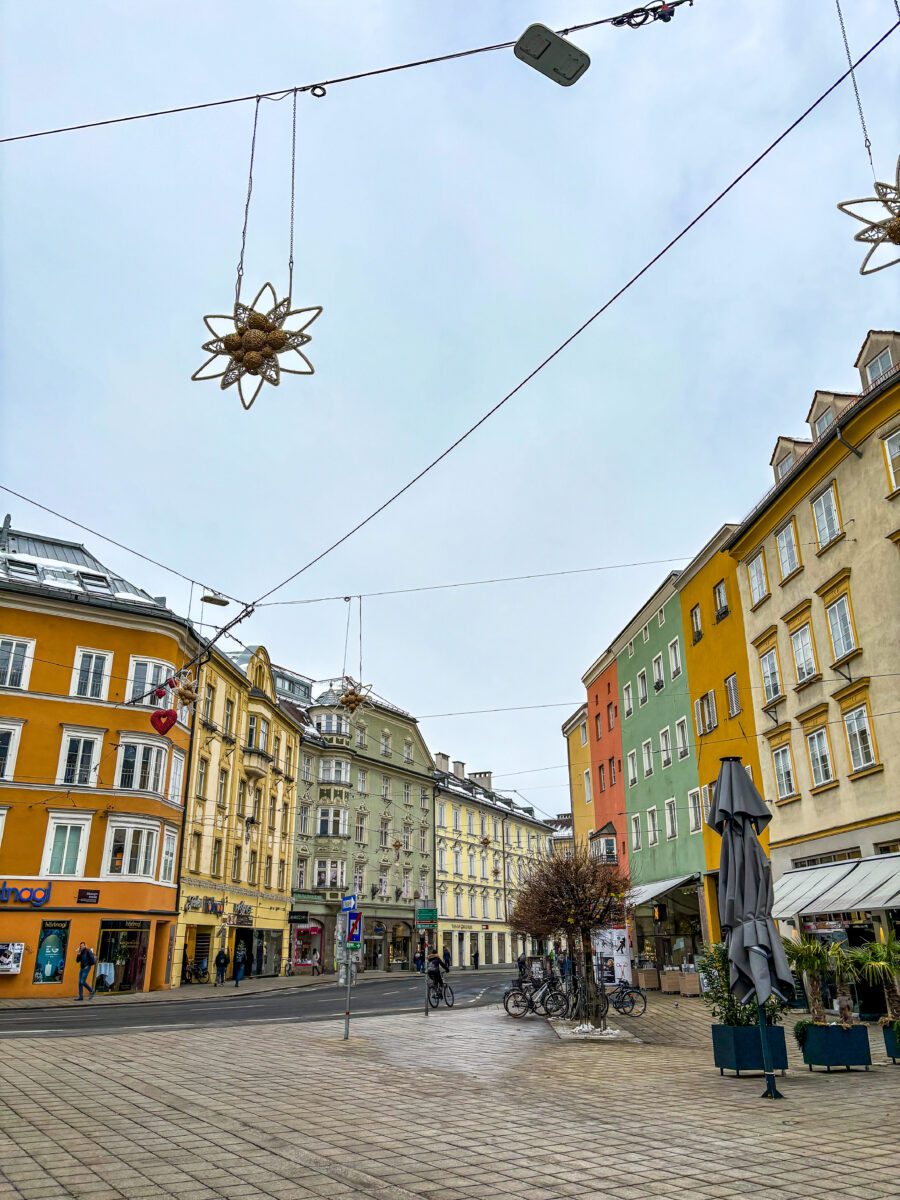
[468, 1104]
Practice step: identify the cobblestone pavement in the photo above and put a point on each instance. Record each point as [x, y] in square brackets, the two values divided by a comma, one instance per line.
[466, 1105]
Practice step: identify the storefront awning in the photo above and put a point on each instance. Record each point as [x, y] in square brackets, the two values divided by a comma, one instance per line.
[645, 892]
[863, 883]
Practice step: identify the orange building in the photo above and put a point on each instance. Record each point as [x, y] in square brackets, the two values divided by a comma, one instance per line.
[91, 795]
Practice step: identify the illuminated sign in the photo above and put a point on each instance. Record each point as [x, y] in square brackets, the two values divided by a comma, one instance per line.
[37, 897]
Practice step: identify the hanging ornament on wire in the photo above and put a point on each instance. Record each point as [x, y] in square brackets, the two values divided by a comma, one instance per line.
[880, 230]
[261, 341]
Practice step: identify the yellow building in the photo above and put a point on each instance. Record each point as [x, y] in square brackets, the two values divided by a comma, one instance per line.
[581, 792]
[237, 863]
[718, 676]
[485, 845]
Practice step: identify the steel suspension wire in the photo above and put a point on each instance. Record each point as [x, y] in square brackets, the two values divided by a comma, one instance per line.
[867, 142]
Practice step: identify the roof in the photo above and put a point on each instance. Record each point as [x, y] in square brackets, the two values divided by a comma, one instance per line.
[468, 789]
[861, 883]
[617, 644]
[575, 719]
[789, 440]
[712, 547]
[332, 690]
[872, 333]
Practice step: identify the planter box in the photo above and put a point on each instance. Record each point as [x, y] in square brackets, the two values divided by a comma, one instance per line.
[891, 1044]
[690, 984]
[739, 1048]
[832, 1046]
[671, 981]
[648, 978]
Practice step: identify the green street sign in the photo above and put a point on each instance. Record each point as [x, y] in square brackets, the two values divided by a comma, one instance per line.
[426, 916]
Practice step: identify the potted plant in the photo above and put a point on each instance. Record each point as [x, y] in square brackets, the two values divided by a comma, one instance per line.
[839, 1044]
[735, 1035]
[879, 962]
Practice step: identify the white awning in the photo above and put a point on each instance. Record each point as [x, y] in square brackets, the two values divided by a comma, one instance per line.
[645, 892]
[863, 883]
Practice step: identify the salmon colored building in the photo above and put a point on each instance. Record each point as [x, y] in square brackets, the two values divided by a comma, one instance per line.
[91, 795]
[609, 838]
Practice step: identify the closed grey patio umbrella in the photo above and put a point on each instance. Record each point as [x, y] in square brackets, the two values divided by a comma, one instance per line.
[759, 966]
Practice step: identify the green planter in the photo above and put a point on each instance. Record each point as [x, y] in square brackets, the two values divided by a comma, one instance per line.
[739, 1048]
[834, 1046]
[891, 1044]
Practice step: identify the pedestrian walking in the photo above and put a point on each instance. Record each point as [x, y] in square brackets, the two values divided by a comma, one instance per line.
[447, 958]
[314, 959]
[259, 957]
[522, 964]
[240, 963]
[475, 958]
[417, 961]
[86, 960]
[222, 959]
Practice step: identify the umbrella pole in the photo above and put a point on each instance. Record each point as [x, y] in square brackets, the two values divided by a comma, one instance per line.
[771, 1092]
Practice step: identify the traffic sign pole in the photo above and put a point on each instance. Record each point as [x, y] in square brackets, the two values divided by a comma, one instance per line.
[347, 969]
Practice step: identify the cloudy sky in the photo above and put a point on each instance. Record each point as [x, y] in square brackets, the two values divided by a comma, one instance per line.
[456, 222]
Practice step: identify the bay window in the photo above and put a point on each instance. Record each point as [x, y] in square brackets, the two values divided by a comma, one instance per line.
[130, 848]
[142, 766]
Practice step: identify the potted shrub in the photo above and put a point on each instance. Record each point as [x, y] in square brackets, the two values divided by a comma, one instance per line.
[879, 962]
[823, 1045]
[735, 1035]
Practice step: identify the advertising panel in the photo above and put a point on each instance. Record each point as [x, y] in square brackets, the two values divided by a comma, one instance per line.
[50, 961]
[11, 954]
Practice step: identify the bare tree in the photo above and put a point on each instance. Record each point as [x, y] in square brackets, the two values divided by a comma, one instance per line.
[571, 897]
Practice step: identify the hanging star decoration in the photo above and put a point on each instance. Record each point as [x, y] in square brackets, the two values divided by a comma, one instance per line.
[354, 695]
[885, 232]
[251, 342]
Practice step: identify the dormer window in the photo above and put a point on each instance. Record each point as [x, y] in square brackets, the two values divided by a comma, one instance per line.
[823, 421]
[784, 465]
[878, 366]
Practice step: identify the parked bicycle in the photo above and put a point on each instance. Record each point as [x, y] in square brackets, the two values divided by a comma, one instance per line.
[628, 999]
[195, 973]
[546, 999]
[440, 990]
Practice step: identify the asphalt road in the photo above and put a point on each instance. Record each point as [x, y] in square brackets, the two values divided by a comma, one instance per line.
[405, 993]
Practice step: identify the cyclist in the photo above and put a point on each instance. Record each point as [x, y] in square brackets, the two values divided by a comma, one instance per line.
[436, 969]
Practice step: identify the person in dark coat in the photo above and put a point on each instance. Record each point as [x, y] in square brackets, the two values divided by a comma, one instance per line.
[222, 959]
[475, 958]
[240, 963]
[259, 957]
[86, 960]
[448, 958]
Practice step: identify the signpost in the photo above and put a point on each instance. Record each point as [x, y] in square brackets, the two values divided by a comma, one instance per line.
[426, 922]
[348, 903]
[353, 937]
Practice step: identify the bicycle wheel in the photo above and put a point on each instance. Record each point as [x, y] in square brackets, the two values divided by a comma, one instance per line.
[203, 976]
[556, 1004]
[448, 995]
[602, 1004]
[434, 996]
[623, 1002]
[639, 1007]
[516, 1003]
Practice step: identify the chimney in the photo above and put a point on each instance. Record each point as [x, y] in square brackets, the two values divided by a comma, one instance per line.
[482, 778]
[459, 769]
[442, 761]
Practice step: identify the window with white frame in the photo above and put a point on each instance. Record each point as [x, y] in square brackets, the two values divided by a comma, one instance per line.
[382, 883]
[732, 695]
[642, 687]
[859, 736]
[768, 665]
[612, 772]
[696, 623]
[470, 822]
[756, 574]
[10, 733]
[652, 827]
[784, 464]
[582, 730]
[423, 839]
[228, 723]
[825, 511]
[333, 822]
[681, 738]
[457, 825]
[79, 757]
[706, 800]
[647, 753]
[645, 633]
[330, 873]
[601, 775]
[16, 657]
[362, 781]
[407, 793]
[167, 863]
[661, 617]
[424, 799]
[705, 717]
[675, 658]
[720, 598]
[384, 833]
[441, 859]
[385, 743]
[359, 878]
[149, 676]
[442, 903]
[631, 648]
[804, 659]
[823, 422]
[665, 747]
[65, 845]
[303, 814]
[407, 752]
[306, 773]
[471, 864]
[819, 757]
[334, 770]
[659, 677]
[892, 459]
[457, 862]
[458, 904]
[879, 365]
[385, 787]
[141, 766]
[441, 813]
[333, 723]
[627, 699]
[788, 555]
[90, 675]
[784, 772]
[588, 793]
[130, 848]
[632, 768]
[176, 777]
[361, 740]
[671, 819]
[361, 832]
[841, 627]
[406, 885]
[695, 814]
[636, 831]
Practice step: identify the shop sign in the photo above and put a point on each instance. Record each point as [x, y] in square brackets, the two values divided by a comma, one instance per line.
[11, 954]
[37, 897]
[213, 906]
[297, 917]
[458, 926]
[242, 910]
[88, 895]
[192, 904]
[50, 961]
[378, 929]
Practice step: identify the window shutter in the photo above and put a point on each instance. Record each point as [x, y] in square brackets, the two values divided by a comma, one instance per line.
[704, 792]
[713, 722]
[698, 718]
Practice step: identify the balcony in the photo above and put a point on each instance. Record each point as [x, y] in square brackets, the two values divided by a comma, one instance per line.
[256, 762]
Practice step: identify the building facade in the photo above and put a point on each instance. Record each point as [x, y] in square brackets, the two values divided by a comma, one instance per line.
[485, 846]
[819, 572]
[609, 837]
[581, 791]
[91, 795]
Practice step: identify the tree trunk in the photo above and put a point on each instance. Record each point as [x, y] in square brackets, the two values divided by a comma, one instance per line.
[590, 982]
[813, 986]
[892, 997]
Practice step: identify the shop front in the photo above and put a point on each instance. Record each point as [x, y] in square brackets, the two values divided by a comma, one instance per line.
[400, 946]
[225, 919]
[666, 929]
[374, 940]
[307, 946]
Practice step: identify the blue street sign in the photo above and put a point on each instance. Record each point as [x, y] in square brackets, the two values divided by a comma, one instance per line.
[348, 903]
[354, 928]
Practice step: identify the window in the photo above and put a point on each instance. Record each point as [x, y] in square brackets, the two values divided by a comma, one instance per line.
[823, 421]
[819, 757]
[588, 794]
[276, 750]
[407, 793]
[661, 617]
[359, 879]
[242, 798]
[642, 687]
[636, 832]
[441, 813]
[665, 747]
[784, 772]
[768, 665]
[15, 662]
[652, 827]
[209, 701]
[167, 866]
[441, 859]
[222, 788]
[645, 633]
[659, 678]
[131, 849]
[470, 822]
[303, 820]
[385, 787]
[732, 695]
[788, 557]
[804, 659]
[362, 782]
[756, 573]
[333, 723]
[878, 366]
[407, 752]
[384, 833]
[631, 648]
[424, 799]
[10, 732]
[471, 863]
[90, 678]
[66, 843]
[360, 832]
[694, 811]
[681, 738]
[458, 909]
[720, 599]
[361, 740]
[706, 800]
[202, 773]
[856, 722]
[626, 697]
[675, 658]
[228, 726]
[825, 511]
[784, 465]
[841, 628]
[263, 735]
[280, 884]
[252, 868]
[456, 819]
[423, 840]
[601, 771]
[194, 852]
[252, 731]
[215, 868]
[267, 873]
[335, 770]
[257, 804]
[79, 759]
[612, 772]
[892, 459]
[582, 730]
[385, 743]
[333, 822]
[632, 768]
[382, 883]
[696, 623]
[306, 773]
[285, 818]
[705, 717]
[647, 753]
[457, 862]
[332, 873]
[671, 820]
[147, 678]
[141, 766]
[598, 726]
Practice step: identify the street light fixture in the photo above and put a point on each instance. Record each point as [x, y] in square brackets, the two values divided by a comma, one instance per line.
[214, 598]
[552, 55]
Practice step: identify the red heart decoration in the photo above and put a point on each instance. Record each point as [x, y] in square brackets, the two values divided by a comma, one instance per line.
[172, 683]
[159, 693]
[163, 719]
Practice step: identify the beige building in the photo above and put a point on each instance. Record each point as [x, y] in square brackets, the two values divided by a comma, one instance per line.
[820, 584]
[485, 845]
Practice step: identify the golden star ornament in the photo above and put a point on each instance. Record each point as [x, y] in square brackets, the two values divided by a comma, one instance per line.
[255, 345]
[885, 232]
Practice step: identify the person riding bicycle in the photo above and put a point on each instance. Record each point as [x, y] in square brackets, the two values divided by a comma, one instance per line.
[436, 969]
